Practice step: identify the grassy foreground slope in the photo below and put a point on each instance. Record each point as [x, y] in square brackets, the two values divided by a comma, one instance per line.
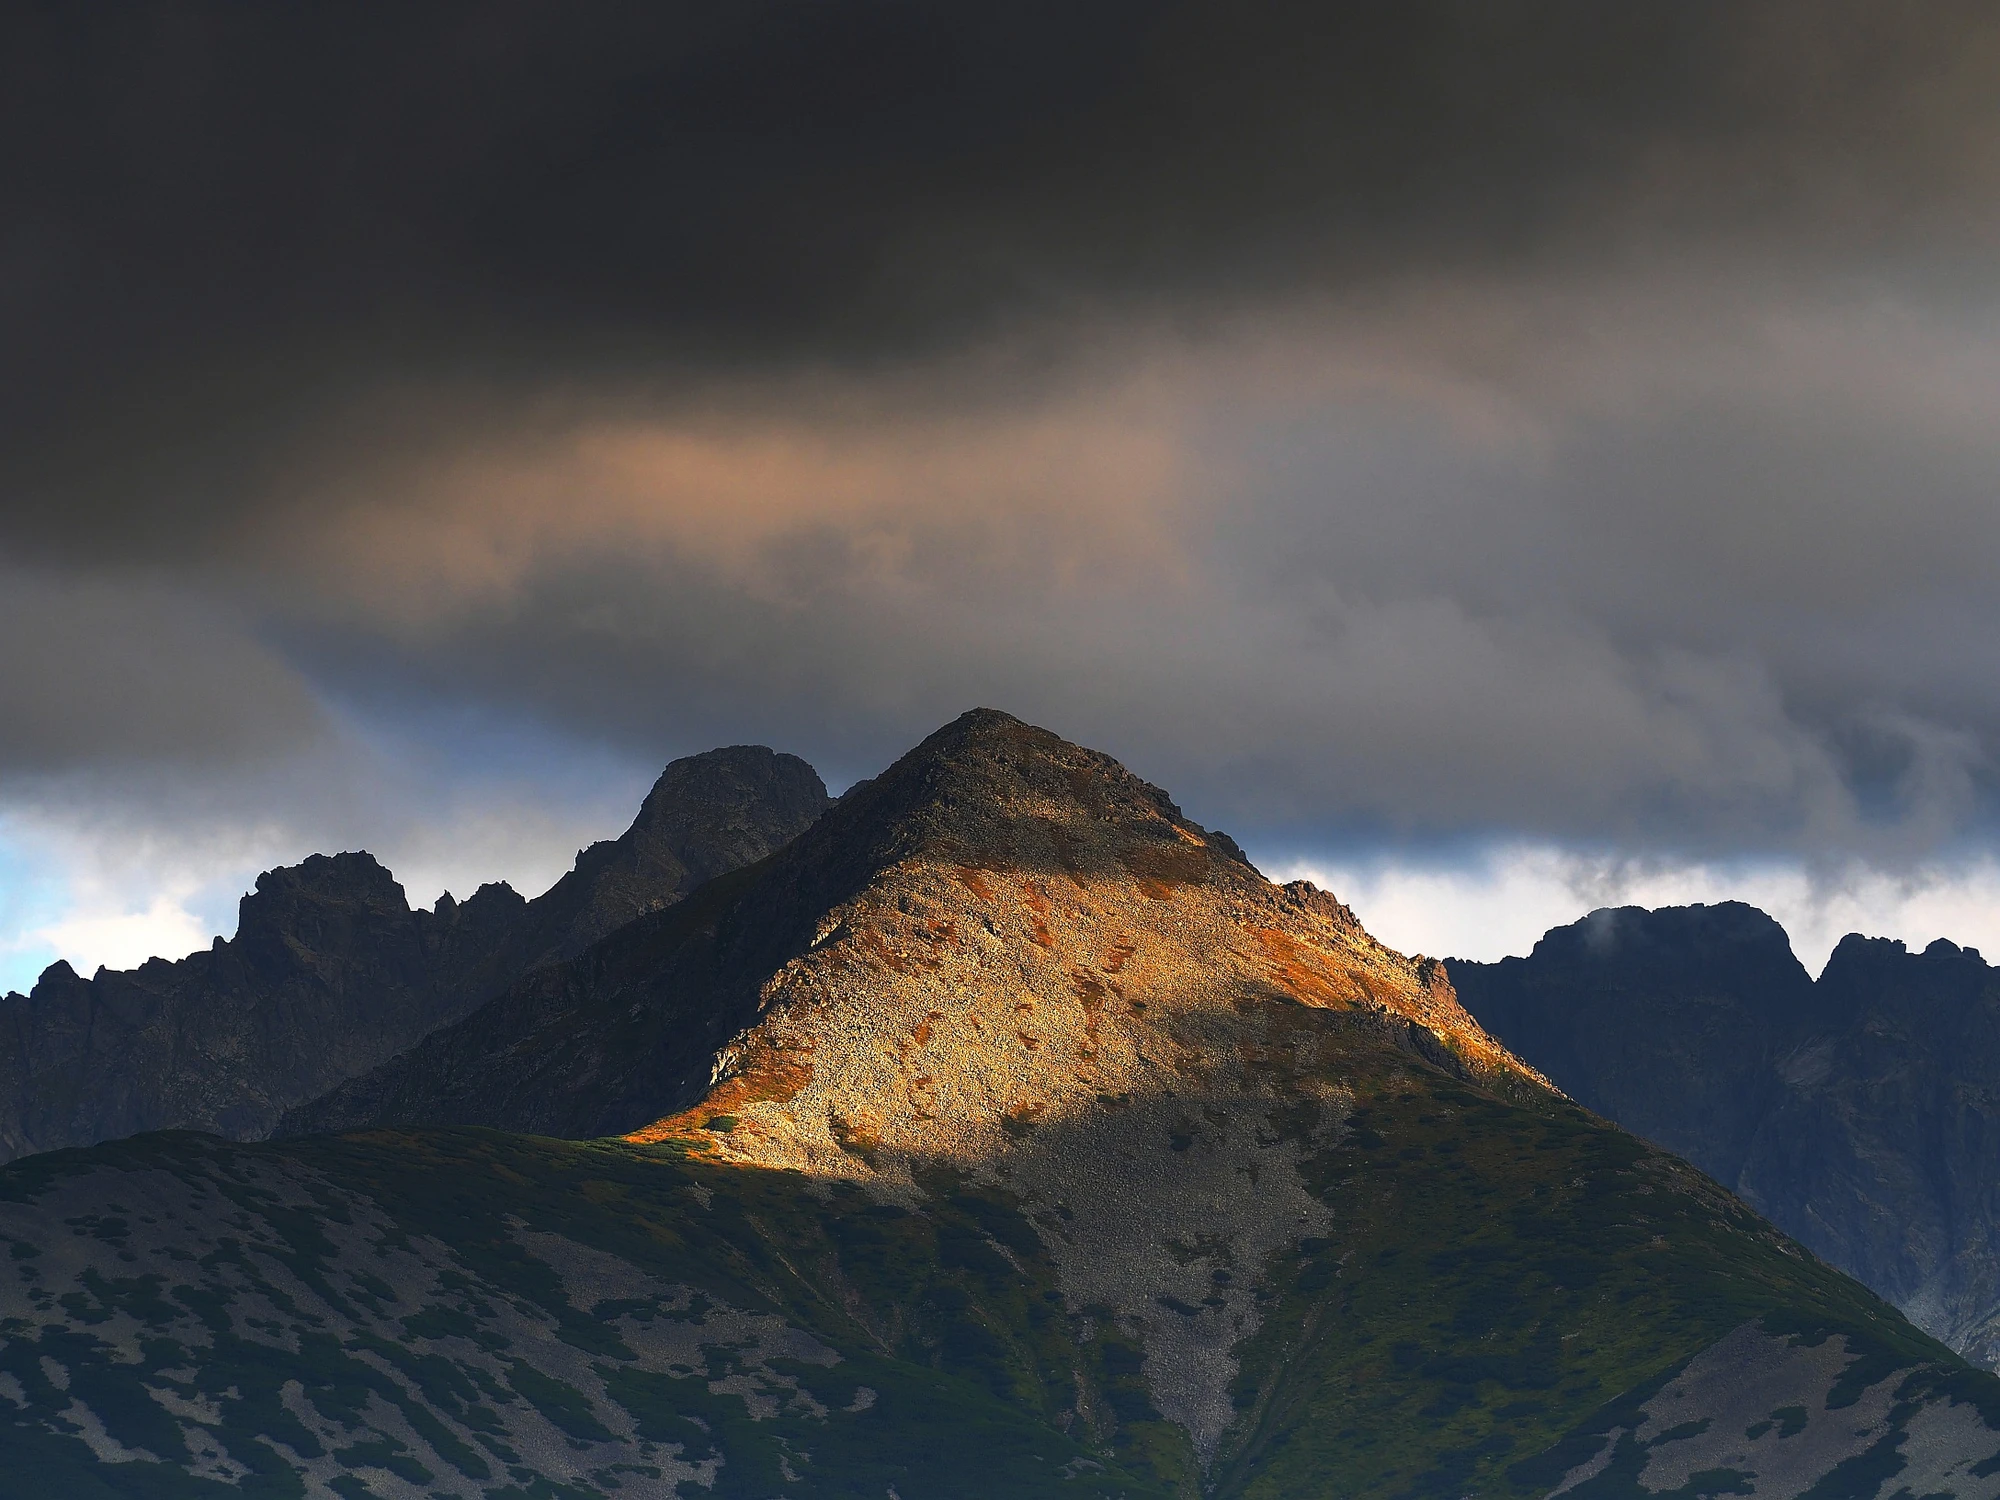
[476, 1314]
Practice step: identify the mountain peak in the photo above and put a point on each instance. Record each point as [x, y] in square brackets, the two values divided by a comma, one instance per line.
[989, 791]
[331, 973]
[992, 861]
[1670, 934]
[713, 811]
[55, 976]
[354, 881]
[706, 815]
[997, 873]
[1009, 959]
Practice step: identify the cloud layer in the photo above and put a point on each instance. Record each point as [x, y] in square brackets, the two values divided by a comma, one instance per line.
[1422, 427]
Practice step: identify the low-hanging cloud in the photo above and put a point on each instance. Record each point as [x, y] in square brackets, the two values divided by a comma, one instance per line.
[1630, 568]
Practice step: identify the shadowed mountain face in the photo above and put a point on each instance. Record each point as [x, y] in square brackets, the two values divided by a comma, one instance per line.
[1861, 1112]
[331, 972]
[1676, 1016]
[1005, 1134]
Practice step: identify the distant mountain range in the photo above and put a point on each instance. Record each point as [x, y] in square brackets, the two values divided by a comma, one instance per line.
[1860, 1112]
[331, 973]
[1002, 1134]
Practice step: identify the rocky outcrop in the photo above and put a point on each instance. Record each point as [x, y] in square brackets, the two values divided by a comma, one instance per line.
[331, 972]
[1006, 955]
[707, 815]
[1860, 1113]
[987, 831]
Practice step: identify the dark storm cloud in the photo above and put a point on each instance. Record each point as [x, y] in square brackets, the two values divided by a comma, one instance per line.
[128, 674]
[223, 219]
[1407, 419]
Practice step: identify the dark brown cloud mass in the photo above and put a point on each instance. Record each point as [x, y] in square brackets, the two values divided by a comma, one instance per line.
[223, 219]
[1559, 421]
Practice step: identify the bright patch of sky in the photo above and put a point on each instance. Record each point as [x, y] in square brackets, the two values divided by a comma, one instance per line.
[101, 885]
[112, 896]
[1499, 903]
[29, 899]
[95, 901]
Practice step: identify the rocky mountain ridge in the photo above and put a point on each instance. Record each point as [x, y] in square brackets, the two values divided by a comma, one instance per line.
[1005, 1135]
[989, 837]
[1860, 1111]
[331, 972]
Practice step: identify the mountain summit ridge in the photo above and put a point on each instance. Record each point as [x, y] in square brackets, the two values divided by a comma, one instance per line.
[639, 1020]
[1002, 942]
[331, 971]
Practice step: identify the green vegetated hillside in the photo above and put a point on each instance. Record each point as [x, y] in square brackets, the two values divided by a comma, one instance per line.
[476, 1314]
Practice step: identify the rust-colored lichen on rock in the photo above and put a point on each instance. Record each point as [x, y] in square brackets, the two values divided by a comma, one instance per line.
[878, 949]
[1036, 900]
[765, 1075]
[1307, 973]
[1162, 869]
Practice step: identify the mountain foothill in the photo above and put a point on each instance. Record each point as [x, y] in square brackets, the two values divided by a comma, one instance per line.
[994, 1130]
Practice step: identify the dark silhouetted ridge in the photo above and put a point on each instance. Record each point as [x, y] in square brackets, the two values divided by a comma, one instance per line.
[331, 973]
[631, 1029]
[1860, 1112]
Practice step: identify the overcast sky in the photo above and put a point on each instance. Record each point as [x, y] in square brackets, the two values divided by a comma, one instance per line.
[1499, 457]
